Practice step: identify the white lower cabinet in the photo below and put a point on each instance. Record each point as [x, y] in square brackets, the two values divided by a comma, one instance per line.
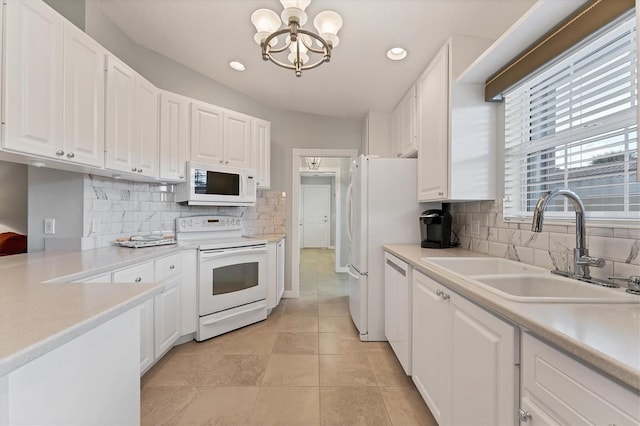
[146, 335]
[167, 317]
[558, 390]
[275, 267]
[464, 358]
[397, 308]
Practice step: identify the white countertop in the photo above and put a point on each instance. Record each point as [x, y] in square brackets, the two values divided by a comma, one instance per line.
[605, 336]
[37, 317]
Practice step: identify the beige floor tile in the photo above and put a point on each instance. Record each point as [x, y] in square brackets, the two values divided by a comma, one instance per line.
[388, 370]
[405, 406]
[296, 343]
[298, 324]
[332, 299]
[339, 324]
[333, 309]
[352, 406]
[287, 406]
[302, 306]
[346, 370]
[232, 370]
[258, 342]
[164, 405]
[339, 343]
[220, 406]
[180, 369]
[291, 370]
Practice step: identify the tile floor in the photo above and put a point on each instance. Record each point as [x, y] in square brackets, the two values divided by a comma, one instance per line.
[304, 365]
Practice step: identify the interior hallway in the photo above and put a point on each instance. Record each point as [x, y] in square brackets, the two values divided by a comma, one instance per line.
[304, 365]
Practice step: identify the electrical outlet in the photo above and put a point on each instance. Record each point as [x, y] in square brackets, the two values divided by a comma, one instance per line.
[475, 228]
[50, 226]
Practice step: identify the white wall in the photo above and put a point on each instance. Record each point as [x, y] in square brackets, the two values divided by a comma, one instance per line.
[289, 129]
[55, 194]
[13, 197]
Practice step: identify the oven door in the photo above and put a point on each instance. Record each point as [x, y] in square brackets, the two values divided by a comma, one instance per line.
[228, 278]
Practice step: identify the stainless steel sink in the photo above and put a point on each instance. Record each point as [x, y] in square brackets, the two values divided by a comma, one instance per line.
[525, 283]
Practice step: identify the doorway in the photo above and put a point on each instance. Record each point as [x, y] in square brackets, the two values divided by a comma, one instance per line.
[334, 164]
[316, 215]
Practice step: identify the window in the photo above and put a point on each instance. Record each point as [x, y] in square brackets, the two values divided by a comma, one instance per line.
[574, 126]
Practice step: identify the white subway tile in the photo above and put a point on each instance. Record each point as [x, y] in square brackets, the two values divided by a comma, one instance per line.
[627, 233]
[498, 249]
[616, 249]
[537, 240]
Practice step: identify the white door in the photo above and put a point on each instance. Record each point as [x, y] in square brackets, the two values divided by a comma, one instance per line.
[34, 79]
[316, 213]
[237, 140]
[84, 85]
[207, 137]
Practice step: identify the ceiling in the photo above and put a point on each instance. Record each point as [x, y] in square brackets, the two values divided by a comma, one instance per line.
[206, 34]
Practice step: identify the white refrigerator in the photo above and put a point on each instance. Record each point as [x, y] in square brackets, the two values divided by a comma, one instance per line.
[382, 209]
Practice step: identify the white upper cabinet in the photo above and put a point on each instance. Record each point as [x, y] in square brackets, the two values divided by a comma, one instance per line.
[131, 121]
[174, 135]
[455, 128]
[207, 136]
[376, 134]
[220, 136]
[55, 86]
[262, 152]
[403, 126]
[237, 139]
[84, 83]
[34, 78]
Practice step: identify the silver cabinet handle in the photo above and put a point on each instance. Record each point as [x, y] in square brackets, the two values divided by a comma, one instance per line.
[221, 161]
[440, 193]
[439, 292]
[399, 269]
[134, 169]
[226, 162]
[181, 176]
[524, 415]
[445, 296]
[139, 170]
[59, 152]
[139, 279]
[71, 155]
[172, 267]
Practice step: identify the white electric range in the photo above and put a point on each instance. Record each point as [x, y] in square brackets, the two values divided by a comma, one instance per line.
[231, 270]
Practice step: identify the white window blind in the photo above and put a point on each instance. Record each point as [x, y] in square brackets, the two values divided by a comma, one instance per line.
[574, 126]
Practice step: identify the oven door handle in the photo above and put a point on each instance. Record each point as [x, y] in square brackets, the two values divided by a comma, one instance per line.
[212, 254]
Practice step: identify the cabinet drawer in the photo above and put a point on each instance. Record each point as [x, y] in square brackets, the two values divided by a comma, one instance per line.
[167, 267]
[570, 391]
[142, 273]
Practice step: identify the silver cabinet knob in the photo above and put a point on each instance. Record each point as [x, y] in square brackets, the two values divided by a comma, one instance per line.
[445, 296]
[226, 162]
[172, 267]
[70, 155]
[139, 170]
[181, 176]
[221, 161]
[524, 415]
[134, 169]
[439, 292]
[440, 193]
[59, 152]
[139, 279]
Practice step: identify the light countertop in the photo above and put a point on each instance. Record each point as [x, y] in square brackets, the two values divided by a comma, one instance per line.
[37, 317]
[605, 336]
[268, 237]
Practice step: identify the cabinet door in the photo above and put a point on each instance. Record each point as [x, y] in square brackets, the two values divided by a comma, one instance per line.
[433, 91]
[84, 85]
[397, 309]
[262, 152]
[146, 335]
[272, 273]
[409, 145]
[142, 273]
[174, 136]
[167, 316]
[120, 110]
[207, 136]
[280, 266]
[483, 360]
[34, 79]
[429, 351]
[237, 140]
[146, 113]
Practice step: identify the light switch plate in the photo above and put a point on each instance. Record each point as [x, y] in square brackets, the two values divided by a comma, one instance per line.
[50, 226]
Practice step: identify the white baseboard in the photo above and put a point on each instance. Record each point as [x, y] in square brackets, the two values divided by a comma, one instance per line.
[331, 247]
[289, 294]
[342, 270]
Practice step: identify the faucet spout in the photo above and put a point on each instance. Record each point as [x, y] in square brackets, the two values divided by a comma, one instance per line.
[581, 265]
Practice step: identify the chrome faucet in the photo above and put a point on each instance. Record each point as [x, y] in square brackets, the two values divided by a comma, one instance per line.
[581, 257]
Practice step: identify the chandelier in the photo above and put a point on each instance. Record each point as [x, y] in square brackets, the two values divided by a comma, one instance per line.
[275, 42]
[313, 162]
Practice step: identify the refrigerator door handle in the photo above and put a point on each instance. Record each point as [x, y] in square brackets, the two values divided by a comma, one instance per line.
[349, 213]
[351, 273]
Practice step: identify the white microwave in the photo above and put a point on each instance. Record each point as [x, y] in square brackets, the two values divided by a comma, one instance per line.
[214, 185]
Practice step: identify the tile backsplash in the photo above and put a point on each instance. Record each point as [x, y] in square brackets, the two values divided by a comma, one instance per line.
[480, 227]
[116, 208]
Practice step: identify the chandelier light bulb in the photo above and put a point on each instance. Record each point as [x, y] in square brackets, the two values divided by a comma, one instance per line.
[328, 22]
[299, 4]
[266, 22]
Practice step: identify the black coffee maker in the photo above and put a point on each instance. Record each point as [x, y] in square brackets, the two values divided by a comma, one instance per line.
[435, 229]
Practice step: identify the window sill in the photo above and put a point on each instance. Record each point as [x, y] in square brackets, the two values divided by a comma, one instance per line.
[590, 223]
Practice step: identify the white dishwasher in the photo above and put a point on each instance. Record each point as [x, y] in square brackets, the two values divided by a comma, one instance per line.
[397, 308]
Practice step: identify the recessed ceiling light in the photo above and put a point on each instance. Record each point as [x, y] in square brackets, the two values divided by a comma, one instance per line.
[238, 66]
[396, 53]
